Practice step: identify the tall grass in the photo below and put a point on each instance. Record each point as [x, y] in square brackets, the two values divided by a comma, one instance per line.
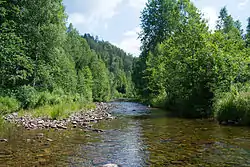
[8, 105]
[233, 105]
[59, 111]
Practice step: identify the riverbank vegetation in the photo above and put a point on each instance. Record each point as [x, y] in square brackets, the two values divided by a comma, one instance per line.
[46, 63]
[190, 69]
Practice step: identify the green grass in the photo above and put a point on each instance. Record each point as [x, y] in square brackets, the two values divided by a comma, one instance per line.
[59, 111]
[8, 105]
[233, 105]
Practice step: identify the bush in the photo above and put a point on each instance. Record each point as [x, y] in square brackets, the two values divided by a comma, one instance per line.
[8, 105]
[46, 98]
[28, 96]
[159, 101]
[233, 105]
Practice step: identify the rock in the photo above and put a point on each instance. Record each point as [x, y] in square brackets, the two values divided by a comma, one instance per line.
[98, 130]
[40, 122]
[53, 126]
[61, 126]
[49, 140]
[223, 123]
[177, 162]
[110, 165]
[40, 135]
[81, 119]
[28, 140]
[3, 140]
[230, 122]
[15, 114]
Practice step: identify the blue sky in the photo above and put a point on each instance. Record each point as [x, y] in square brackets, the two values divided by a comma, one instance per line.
[118, 21]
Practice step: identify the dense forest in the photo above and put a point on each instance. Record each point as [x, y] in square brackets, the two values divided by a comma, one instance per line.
[192, 70]
[44, 62]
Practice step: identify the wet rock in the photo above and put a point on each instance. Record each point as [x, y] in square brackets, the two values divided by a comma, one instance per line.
[4, 140]
[49, 140]
[97, 130]
[61, 126]
[110, 165]
[223, 123]
[177, 162]
[40, 135]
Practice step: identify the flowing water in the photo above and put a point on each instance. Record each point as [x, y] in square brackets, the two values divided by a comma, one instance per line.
[138, 137]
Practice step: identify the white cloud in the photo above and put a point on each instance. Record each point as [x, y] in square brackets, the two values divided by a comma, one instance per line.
[210, 14]
[77, 18]
[106, 26]
[138, 4]
[243, 4]
[98, 10]
[130, 42]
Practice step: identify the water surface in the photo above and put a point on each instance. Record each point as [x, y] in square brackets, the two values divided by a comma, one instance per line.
[138, 137]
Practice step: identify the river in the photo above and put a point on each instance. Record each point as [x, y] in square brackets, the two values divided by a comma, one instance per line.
[138, 137]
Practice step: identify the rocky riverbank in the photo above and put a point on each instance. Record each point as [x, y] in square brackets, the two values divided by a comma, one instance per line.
[81, 119]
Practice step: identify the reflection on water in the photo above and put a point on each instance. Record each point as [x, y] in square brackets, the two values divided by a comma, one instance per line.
[139, 137]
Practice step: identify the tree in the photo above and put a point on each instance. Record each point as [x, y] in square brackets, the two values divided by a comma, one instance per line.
[248, 34]
[118, 63]
[42, 26]
[158, 21]
[187, 68]
[16, 66]
[101, 85]
[85, 83]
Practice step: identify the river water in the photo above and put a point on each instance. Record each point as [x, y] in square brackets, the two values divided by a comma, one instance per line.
[138, 137]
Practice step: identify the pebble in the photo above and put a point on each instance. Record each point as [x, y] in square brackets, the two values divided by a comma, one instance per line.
[110, 165]
[81, 119]
[40, 135]
[49, 140]
[3, 140]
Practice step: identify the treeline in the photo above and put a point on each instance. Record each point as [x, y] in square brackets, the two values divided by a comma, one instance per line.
[189, 69]
[43, 62]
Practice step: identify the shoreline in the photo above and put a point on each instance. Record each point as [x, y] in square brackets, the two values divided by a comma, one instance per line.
[82, 119]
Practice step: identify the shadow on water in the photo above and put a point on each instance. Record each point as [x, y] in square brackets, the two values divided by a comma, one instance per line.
[138, 137]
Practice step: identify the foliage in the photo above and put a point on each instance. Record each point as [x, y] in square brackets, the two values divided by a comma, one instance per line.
[8, 105]
[45, 63]
[183, 64]
[101, 87]
[59, 111]
[233, 105]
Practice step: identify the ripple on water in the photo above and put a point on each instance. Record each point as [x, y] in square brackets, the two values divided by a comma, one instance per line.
[138, 137]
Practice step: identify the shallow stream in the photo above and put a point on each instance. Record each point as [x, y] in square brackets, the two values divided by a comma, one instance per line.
[138, 137]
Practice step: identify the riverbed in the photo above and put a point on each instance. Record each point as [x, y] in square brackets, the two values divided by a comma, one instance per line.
[138, 137]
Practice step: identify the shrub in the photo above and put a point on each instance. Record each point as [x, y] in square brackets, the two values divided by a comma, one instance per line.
[28, 96]
[44, 99]
[233, 105]
[8, 105]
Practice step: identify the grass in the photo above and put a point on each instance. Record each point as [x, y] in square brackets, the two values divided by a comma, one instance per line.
[233, 105]
[8, 105]
[57, 112]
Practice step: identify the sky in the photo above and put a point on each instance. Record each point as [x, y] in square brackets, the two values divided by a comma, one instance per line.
[118, 21]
